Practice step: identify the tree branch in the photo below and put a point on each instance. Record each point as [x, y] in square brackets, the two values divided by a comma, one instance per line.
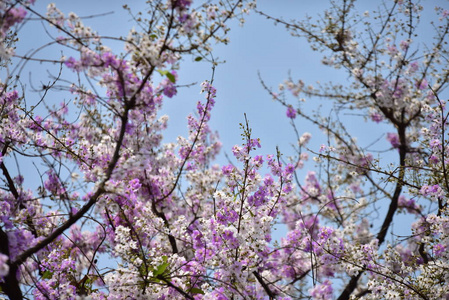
[264, 285]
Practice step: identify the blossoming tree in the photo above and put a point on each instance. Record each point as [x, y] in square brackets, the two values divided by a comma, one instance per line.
[170, 223]
[395, 80]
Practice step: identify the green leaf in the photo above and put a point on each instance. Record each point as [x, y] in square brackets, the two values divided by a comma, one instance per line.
[163, 73]
[169, 75]
[162, 267]
[89, 281]
[47, 275]
[198, 58]
[196, 291]
[157, 280]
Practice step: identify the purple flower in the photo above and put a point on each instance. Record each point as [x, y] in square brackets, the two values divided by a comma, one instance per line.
[257, 161]
[135, 184]
[404, 45]
[182, 3]
[393, 138]
[438, 249]
[18, 179]
[229, 236]
[291, 112]
[227, 169]
[414, 66]
[376, 117]
[433, 159]
[392, 50]
[253, 143]
[436, 143]
[322, 291]
[289, 169]
[170, 90]
[422, 84]
[71, 63]
[258, 198]
[12, 16]
[325, 233]
[11, 97]
[109, 59]
[409, 204]
[434, 190]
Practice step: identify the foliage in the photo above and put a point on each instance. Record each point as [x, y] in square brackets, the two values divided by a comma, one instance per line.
[175, 226]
